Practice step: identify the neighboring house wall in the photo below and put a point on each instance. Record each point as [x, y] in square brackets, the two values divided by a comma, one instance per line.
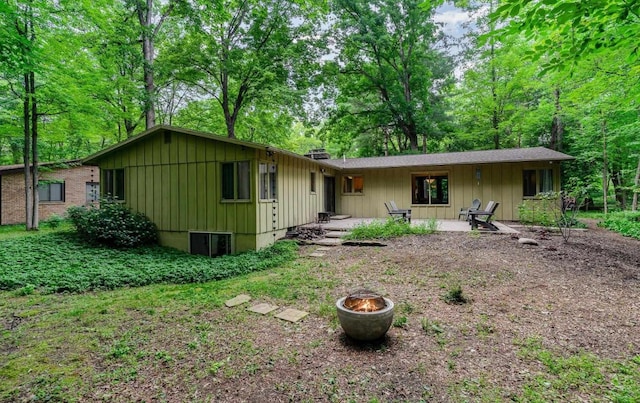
[12, 193]
[501, 182]
[176, 180]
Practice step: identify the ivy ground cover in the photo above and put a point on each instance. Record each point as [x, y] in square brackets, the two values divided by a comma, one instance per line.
[60, 262]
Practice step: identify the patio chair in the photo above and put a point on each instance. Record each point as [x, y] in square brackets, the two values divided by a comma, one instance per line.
[487, 216]
[475, 205]
[398, 214]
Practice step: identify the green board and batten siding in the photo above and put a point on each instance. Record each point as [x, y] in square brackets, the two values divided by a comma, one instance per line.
[177, 184]
[501, 182]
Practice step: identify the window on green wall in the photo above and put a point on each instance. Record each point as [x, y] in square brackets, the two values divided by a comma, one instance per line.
[353, 184]
[114, 183]
[430, 188]
[312, 179]
[268, 186]
[536, 181]
[236, 180]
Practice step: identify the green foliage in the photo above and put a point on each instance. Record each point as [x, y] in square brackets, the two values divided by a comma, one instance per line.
[63, 263]
[400, 321]
[390, 228]
[539, 211]
[112, 224]
[626, 223]
[455, 296]
[618, 381]
[53, 221]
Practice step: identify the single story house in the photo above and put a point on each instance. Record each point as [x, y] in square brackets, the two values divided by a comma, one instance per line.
[61, 185]
[213, 195]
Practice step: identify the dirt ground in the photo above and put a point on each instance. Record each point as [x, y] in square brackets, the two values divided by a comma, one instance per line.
[582, 296]
[573, 298]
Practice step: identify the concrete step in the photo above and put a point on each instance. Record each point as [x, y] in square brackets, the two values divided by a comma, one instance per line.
[335, 234]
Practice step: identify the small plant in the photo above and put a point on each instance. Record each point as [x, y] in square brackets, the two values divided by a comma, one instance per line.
[432, 327]
[455, 296]
[400, 321]
[53, 221]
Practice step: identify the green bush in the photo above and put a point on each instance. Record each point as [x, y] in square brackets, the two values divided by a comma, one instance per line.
[626, 223]
[53, 221]
[113, 224]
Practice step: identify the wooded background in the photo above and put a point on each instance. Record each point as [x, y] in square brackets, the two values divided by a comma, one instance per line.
[357, 77]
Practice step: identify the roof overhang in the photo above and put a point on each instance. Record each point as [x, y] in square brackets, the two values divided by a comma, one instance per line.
[95, 158]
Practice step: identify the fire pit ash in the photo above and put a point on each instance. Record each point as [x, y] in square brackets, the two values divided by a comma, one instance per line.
[365, 315]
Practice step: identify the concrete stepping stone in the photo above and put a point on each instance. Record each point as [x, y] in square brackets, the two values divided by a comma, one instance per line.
[329, 242]
[238, 300]
[292, 315]
[323, 249]
[263, 308]
[316, 254]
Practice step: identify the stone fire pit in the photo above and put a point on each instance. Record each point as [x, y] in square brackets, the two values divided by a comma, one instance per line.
[365, 315]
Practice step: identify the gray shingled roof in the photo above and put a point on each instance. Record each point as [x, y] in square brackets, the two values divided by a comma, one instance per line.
[457, 158]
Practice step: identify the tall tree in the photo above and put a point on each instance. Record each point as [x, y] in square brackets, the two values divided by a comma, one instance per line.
[150, 19]
[21, 48]
[246, 52]
[392, 76]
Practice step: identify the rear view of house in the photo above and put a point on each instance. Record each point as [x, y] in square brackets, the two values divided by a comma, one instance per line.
[61, 185]
[212, 195]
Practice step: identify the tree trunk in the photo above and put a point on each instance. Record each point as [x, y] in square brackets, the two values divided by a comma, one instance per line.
[145, 17]
[634, 205]
[605, 179]
[34, 153]
[495, 119]
[618, 189]
[26, 154]
[557, 126]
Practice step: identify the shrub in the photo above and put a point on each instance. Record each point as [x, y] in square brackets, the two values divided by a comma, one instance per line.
[625, 223]
[53, 221]
[390, 228]
[113, 224]
[455, 296]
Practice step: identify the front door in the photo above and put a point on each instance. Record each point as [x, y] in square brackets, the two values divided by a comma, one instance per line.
[330, 194]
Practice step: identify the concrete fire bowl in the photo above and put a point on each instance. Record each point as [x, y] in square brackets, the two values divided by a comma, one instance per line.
[365, 326]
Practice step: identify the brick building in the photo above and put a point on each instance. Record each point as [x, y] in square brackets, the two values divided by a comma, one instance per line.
[62, 185]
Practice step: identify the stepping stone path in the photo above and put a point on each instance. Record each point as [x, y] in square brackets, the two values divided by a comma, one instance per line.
[263, 308]
[316, 254]
[291, 315]
[239, 300]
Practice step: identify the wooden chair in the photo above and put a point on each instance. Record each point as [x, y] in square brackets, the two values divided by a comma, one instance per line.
[475, 205]
[487, 214]
[396, 213]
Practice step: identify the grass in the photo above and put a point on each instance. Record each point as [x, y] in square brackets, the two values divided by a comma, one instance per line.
[19, 231]
[59, 262]
[565, 376]
[390, 228]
